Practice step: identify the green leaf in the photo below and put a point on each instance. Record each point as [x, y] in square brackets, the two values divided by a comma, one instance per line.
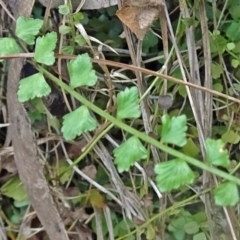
[235, 63]
[226, 194]
[79, 16]
[64, 9]
[200, 236]
[53, 121]
[217, 70]
[218, 43]
[28, 28]
[63, 29]
[128, 103]
[176, 227]
[77, 122]
[68, 50]
[191, 227]
[80, 40]
[20, 204]
[8, 46]
[128, 153]
[231, 137]
[174, 130]
[13, 188]
[65, 175]
[235, 10]
[33, 86]
[16, 217]
[216, 155]
[149, 41]
[173, 174]
[151, 232]
[230, 46]
[44, 49]
[233, 31]
[190, 148]
[182, 91]
[200, 217]
[218, 87]
[81, 72]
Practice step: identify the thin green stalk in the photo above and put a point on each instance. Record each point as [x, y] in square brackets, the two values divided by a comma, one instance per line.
[138, 134]
[88, 149]
[158, 215]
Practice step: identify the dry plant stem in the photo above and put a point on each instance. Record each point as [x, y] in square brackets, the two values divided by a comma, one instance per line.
[133, 68]
[230, 217]
[60, 65]
[197, 104]
[6, 10]
[152, 73]
[107, 214]
[27, 160]
[210, 207]
[7, 151]
[144, 175]
[229, 212]
[207, 123]
[164, 33]
[98, 221]
[195, 97]
[89, 4]
[143, 104]
[186, 76]
[130, 203]
[3, 235]
[84, 176]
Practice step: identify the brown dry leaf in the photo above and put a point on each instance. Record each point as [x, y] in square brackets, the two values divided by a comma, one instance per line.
[143, 3]
[8, 163]
[147, 201]
[138, 19]
[75, 149]
[79, 214]
[90, 171]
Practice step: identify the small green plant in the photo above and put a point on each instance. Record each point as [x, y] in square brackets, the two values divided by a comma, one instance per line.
[171, 174]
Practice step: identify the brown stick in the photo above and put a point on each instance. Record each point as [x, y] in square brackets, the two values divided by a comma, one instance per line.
[25, 149]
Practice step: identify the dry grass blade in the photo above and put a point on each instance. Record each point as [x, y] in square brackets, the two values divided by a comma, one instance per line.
[2, 230]
[131, 205]
[107, 214]
[98, 219]
[7, 10]
[140, 82]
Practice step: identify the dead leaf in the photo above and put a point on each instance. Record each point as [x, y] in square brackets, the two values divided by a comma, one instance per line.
[143, 3]
[90, 171]
[75, 149]
[138, 15]
[147, 201]
[79, 214]
[8, 163]
[138, 19]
